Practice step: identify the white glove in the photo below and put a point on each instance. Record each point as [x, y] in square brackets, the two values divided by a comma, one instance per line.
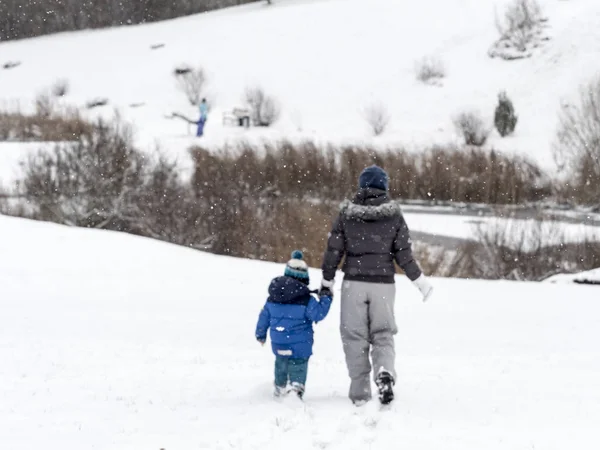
[328, 284]
[424, 286]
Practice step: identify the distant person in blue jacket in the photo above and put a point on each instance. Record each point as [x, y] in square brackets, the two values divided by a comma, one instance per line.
[203, 117]
[290, 312]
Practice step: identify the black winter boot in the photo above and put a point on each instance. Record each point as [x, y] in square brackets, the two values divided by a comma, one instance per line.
[385, 384]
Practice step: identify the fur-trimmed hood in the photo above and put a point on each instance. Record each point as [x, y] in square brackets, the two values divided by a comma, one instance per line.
[354, 211]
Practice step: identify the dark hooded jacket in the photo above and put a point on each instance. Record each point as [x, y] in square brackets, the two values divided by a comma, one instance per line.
[371, 233]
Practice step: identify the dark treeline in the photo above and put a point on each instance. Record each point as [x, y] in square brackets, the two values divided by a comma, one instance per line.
[21, 19]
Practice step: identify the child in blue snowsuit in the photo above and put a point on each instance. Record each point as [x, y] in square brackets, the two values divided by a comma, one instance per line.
[290, 312]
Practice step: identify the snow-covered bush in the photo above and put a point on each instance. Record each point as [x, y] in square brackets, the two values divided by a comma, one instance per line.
[377, 117]
[520, 29]
[103, 181]
[264, 109]
[191, 81]
[577, 146]
[60, 88]
[472, 128]
[520, 15]
[90, 183]
[505, 119]
[430, 70]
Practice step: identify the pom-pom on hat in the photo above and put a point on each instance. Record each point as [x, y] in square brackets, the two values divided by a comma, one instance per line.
[297, 267]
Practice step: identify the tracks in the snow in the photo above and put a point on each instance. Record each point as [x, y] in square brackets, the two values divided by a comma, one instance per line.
[291, 423]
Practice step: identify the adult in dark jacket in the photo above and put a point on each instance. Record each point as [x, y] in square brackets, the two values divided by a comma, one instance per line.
[371, 233]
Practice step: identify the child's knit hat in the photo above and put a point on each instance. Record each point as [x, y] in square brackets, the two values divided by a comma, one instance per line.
[297, 267]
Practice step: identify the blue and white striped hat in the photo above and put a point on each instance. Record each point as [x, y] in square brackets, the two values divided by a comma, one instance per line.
[297, 267]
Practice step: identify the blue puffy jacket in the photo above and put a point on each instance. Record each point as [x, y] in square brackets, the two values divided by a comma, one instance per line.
[290, 312]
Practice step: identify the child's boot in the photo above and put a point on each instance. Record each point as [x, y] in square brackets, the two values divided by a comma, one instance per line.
[279, 391]
[298, 389]
[385, 384]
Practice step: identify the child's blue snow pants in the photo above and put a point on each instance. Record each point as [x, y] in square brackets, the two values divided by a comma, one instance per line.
[293, 369]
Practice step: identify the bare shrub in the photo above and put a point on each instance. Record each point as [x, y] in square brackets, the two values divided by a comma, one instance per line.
[520, 30]
[472, 128]
[44, 105]
[47, 124]
[264, 109]
[430, 70]
[524, 250]
[90, 183]
[577, 146]
[167, 207]
[520, 16]
[103, 181]
[60, 88]
[307, 170]
[377, 117]
[258, 198]
[191, 81]
[435, 260]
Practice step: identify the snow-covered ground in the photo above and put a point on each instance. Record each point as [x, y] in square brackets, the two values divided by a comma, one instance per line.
[513, 232]
[325, 61]
[588, 277]
[109, 341]
[12, 154]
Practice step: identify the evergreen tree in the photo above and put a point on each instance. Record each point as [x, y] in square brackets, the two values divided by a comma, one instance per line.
[504, 117]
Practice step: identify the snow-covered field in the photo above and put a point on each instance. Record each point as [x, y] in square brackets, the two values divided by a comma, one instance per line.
[513, 232]
[587, 277]
[109, 341]
[12, 154]
[325, 61]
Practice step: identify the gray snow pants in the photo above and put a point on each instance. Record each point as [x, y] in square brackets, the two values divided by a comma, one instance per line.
[367, 326]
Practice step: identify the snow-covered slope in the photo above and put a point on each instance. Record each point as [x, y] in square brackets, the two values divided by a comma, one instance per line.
[325, 61]
[109, 341]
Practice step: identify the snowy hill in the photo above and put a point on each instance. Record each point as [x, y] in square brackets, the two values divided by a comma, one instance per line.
[109, 341]
[325, 61]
